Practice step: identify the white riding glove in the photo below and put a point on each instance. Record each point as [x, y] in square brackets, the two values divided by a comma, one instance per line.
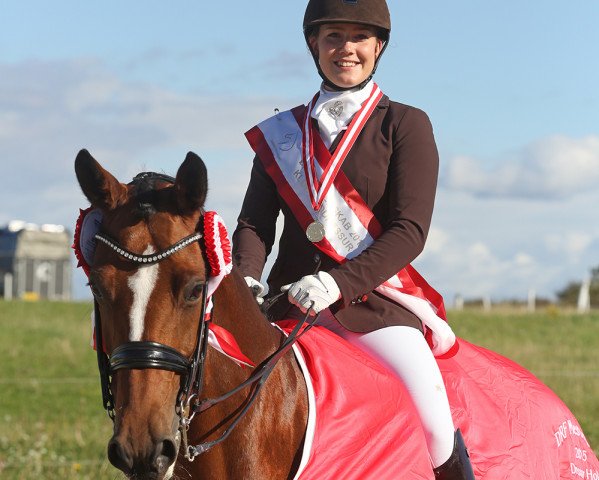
[313, 292]
[257, 289]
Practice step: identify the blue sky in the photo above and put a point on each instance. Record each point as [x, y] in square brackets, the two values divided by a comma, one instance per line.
[511, 89]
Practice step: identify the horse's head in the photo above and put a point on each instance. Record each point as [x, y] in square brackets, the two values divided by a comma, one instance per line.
[149, 305]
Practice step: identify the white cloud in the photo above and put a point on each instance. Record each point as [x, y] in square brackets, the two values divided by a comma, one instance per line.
[504, 247]
[572, 244]
[523, 260]
[52, 109]
[476, 269]
[553, 168]
[436, 242]
[49, 110]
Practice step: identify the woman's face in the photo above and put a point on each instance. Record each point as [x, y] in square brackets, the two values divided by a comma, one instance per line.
[346, 52]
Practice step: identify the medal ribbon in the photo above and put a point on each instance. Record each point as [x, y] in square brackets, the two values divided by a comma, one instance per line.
[318, 187]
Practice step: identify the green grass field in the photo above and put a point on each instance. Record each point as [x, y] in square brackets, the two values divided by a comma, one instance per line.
[52, 425]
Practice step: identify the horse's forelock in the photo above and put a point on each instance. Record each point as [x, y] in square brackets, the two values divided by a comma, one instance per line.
[146, 193]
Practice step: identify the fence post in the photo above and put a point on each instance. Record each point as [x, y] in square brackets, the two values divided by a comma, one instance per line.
[584, 296]
[487, 303]
[532, 300]
[8, 286]
[458, 302]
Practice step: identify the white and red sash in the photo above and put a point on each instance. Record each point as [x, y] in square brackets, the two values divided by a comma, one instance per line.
[285, 149]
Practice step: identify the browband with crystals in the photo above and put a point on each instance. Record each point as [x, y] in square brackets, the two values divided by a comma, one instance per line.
[153, 258]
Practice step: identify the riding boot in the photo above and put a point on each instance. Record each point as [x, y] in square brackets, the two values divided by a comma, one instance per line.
[458, 466]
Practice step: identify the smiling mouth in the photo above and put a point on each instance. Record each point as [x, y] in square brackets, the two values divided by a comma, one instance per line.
[346, 64]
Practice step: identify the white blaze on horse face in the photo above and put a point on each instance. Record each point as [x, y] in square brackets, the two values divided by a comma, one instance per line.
[142, 285]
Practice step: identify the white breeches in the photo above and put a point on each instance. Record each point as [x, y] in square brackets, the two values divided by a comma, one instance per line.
[404, 352]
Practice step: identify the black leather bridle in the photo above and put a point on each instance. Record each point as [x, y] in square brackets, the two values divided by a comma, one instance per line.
[148, 355]
[153, 355]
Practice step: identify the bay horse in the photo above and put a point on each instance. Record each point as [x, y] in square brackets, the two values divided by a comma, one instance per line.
[148, 276]
[183, 410]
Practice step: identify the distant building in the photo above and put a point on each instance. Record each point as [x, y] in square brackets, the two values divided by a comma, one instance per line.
[35, 261]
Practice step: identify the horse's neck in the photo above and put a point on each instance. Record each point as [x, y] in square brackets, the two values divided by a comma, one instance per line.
[276, 423]
[236, 310]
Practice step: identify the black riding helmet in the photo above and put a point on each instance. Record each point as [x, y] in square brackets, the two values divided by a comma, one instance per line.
[374, 13]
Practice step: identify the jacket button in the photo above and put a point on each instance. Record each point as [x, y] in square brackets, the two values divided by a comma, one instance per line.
[360, 299]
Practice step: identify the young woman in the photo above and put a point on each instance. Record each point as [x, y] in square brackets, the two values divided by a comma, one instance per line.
[355, 176]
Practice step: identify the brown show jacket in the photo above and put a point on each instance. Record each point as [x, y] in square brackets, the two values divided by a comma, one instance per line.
[394, 166]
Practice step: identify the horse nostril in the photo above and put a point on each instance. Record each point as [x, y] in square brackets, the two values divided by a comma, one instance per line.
[119, 457]
[165, 454]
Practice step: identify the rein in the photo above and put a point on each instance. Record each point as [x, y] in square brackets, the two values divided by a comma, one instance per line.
[256, 379]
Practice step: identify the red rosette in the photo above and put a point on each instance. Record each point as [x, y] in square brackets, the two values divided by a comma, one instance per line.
[225, 243]
[210, 243]
[218, 246]
[77, 241]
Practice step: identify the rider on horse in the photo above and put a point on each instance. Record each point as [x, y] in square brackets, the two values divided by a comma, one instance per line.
[355, 175]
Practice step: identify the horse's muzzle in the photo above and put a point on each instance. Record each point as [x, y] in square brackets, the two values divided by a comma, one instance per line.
[154, 463]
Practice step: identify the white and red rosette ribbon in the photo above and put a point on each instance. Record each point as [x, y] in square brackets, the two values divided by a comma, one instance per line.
[218, 253]
[218, 250]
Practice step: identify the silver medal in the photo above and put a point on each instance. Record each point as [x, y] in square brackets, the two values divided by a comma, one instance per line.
[315, 232]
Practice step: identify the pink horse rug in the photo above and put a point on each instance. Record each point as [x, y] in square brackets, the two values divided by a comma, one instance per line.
[363, 425]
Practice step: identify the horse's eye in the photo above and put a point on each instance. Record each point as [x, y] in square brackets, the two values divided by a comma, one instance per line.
[194, 292]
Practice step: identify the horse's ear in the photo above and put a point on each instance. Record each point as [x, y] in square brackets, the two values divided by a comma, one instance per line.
[191, 184]
[99, 186]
